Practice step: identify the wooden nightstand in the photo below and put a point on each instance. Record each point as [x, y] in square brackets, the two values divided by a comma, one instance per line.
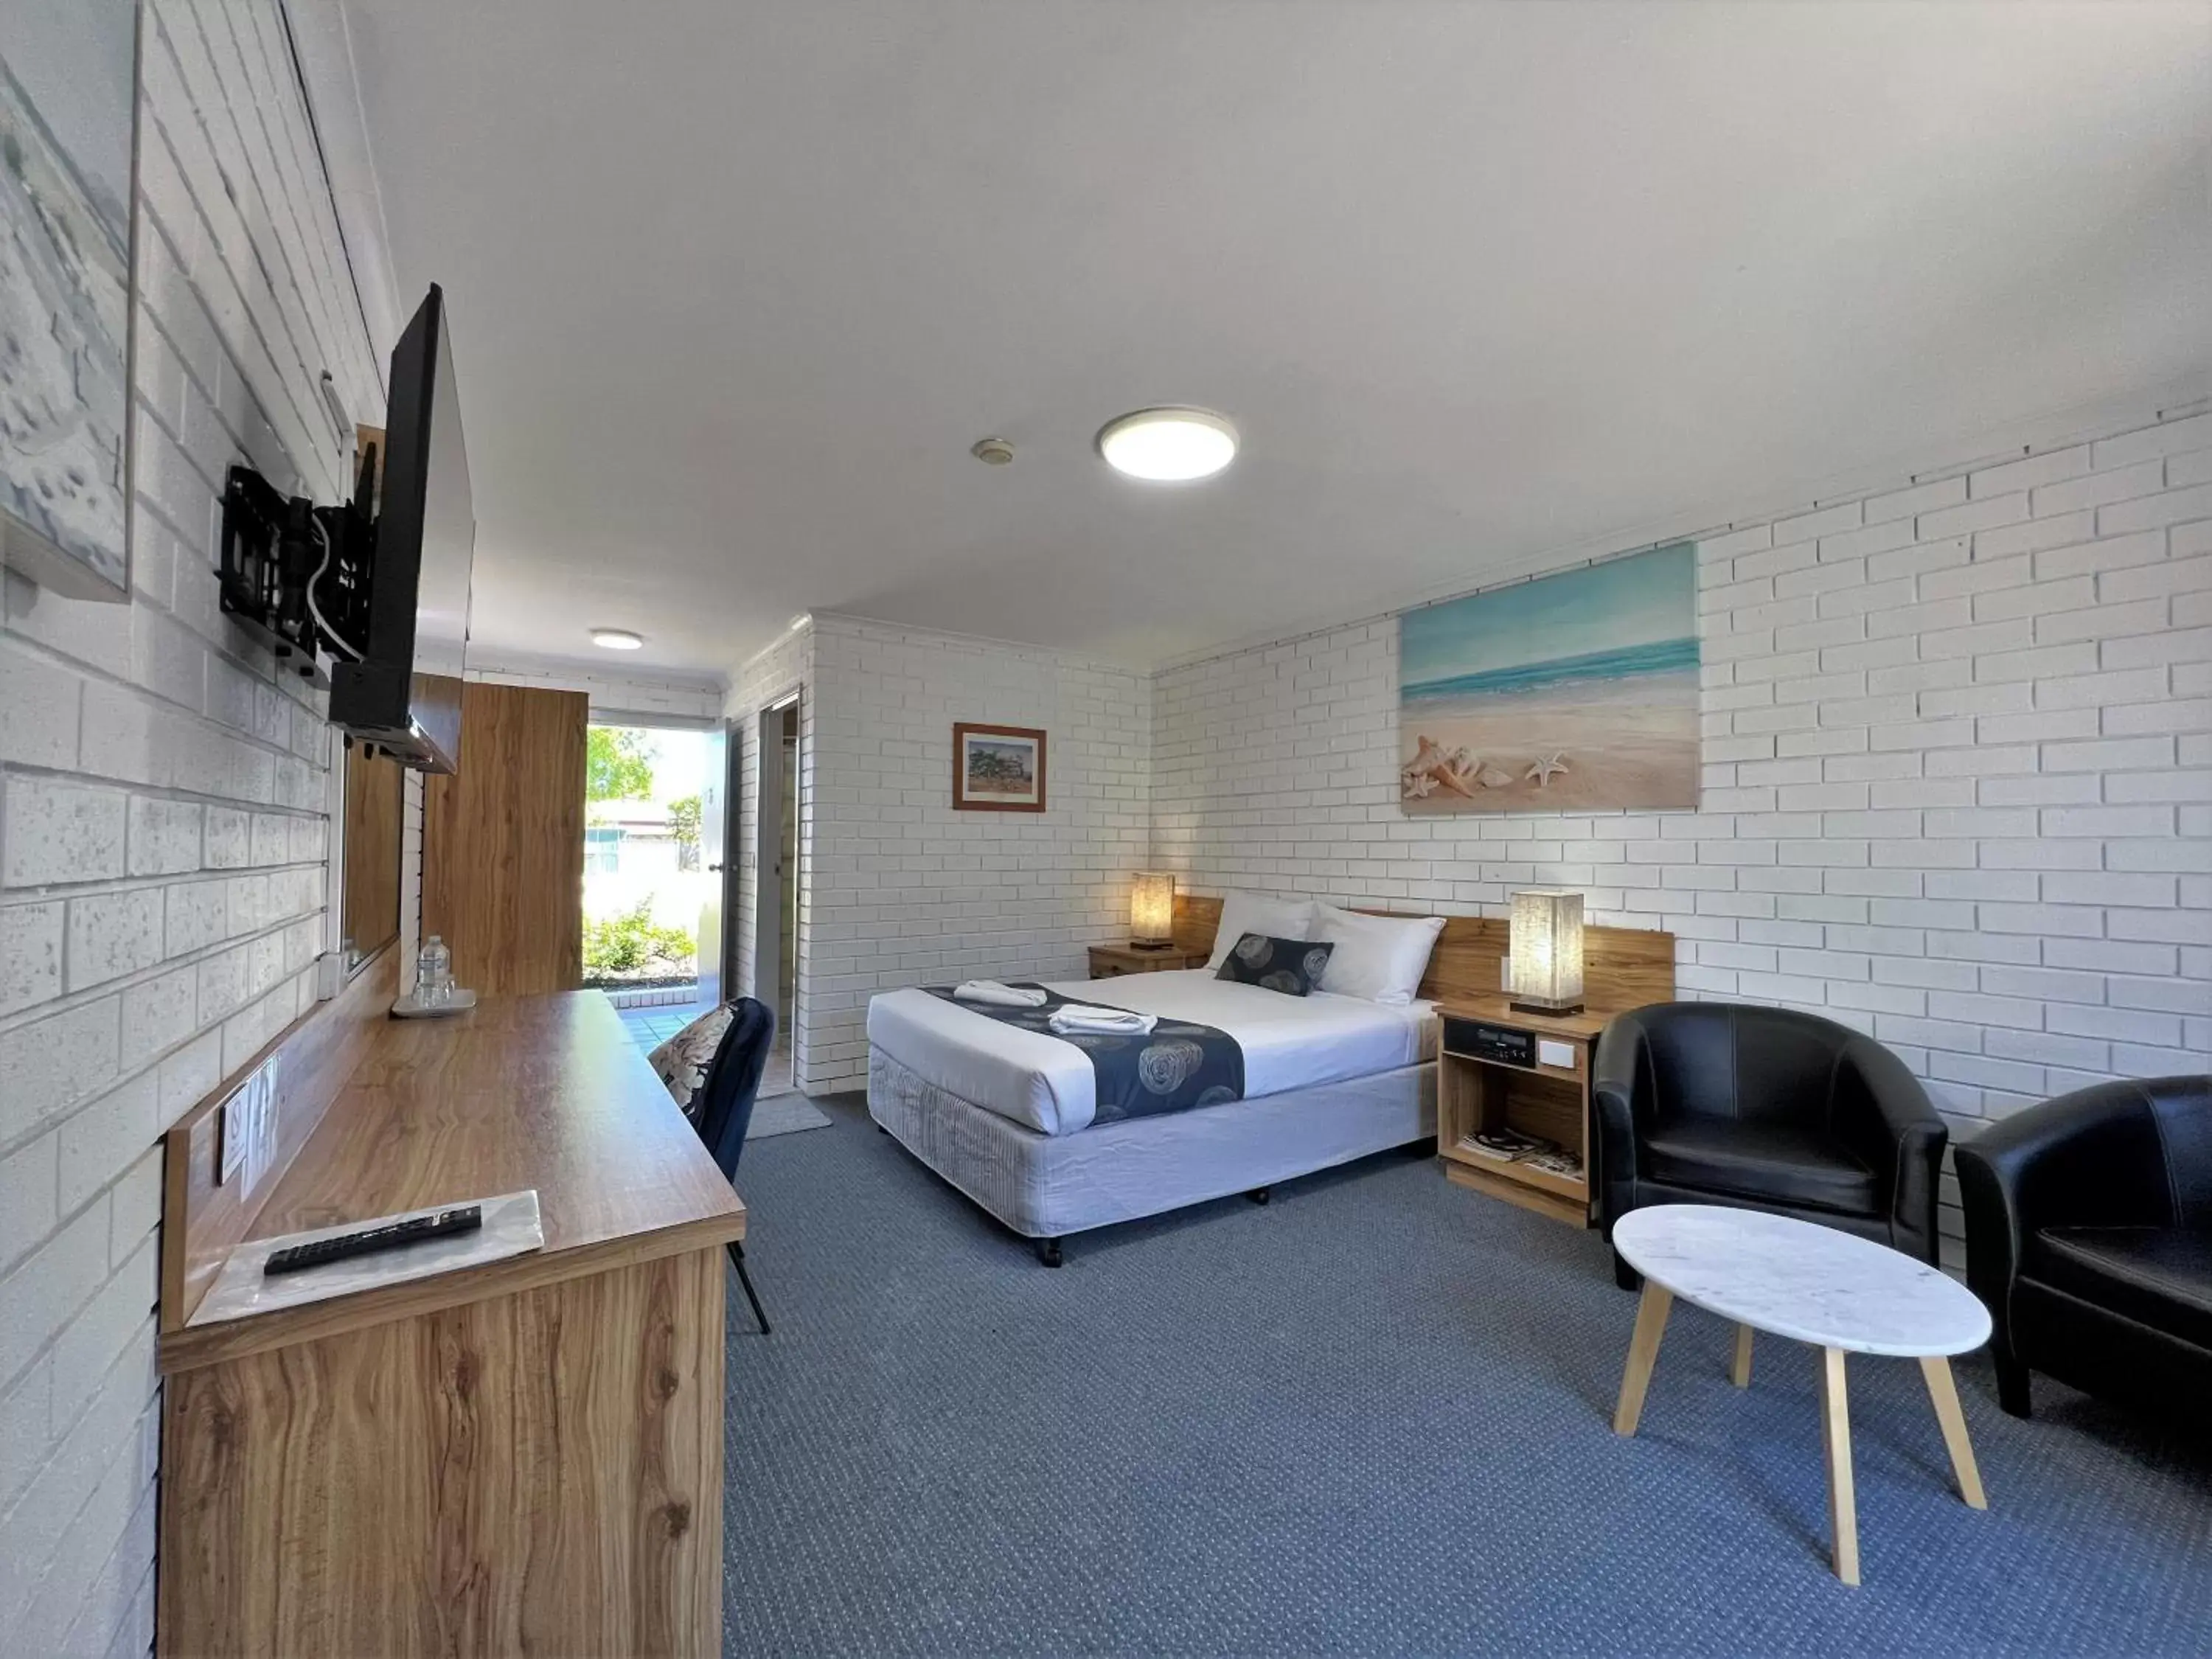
[1500, 1068]
[1112, 960]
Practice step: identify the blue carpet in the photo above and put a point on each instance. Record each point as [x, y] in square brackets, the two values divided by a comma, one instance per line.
[1372, 1417]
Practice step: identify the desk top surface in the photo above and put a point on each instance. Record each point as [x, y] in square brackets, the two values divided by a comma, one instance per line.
[542, 1092]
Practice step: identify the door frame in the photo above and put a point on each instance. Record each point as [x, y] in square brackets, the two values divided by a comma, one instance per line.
[778, 715]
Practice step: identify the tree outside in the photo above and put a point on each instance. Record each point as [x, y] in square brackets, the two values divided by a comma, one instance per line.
[684, 819]
[643, 882]
[618, 763]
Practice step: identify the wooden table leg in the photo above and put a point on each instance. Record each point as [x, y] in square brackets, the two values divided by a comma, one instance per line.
[1643, 1349]
[1740, 1367]
[1836, 1442]
[1945, 1394]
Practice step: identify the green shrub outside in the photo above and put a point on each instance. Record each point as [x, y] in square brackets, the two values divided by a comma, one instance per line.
[633, 943]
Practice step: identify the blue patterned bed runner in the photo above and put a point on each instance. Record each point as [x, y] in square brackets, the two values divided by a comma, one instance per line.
[1180, 1065]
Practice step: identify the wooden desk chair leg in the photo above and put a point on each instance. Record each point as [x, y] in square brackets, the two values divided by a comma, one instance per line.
[737, 1260]
[1740, 1367]
[1643, 1352]
[1836, 1442]
[1945, 1395]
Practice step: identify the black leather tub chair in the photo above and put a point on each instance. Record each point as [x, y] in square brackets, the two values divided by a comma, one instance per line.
[2089, 1236]
[1715, 1102]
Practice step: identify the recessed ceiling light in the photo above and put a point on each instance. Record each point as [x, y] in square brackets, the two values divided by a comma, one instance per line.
[618, 638]
[1168, 446]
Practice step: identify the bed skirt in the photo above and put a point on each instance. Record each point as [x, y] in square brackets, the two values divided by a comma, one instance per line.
[1048, 1186]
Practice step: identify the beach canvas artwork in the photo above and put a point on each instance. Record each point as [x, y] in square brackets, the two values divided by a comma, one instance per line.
[1578, 691]
[68, 75]
[998, 768]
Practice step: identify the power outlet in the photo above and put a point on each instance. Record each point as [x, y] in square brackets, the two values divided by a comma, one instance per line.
[247, 1142]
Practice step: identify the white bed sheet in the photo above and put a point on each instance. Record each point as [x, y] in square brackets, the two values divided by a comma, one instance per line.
[1044, 1083]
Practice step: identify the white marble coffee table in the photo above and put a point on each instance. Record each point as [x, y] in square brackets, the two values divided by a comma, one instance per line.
[1841, 1293]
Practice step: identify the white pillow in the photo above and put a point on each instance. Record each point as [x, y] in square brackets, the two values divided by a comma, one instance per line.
[1381, 959]
[1255, 913]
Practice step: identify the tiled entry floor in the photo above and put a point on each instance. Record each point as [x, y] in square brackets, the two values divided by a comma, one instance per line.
[651, 1027]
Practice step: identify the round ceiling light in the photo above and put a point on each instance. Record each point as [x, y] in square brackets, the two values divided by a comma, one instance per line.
[1168, 446]
[618, 638]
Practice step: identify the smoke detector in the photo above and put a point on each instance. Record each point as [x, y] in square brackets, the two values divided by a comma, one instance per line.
[992, 452]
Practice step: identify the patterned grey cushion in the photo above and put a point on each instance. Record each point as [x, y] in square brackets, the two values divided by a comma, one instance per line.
[684, 1060]
[1292, 966]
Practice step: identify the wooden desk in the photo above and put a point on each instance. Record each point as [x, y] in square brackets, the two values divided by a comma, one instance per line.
[525, 1455]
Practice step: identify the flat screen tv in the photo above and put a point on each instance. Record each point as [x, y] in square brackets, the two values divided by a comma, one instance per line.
[403, 694]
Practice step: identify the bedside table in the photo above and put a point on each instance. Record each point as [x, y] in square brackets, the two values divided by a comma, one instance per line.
[1112, 960]
[1500, 1067]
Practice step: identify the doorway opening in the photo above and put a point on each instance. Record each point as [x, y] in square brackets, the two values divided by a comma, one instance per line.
[645, 877]
[775, 913]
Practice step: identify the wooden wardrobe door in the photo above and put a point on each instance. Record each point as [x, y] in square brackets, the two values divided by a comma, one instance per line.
[503, 841]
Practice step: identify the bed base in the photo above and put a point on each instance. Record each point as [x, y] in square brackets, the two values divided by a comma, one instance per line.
[1048, 1187]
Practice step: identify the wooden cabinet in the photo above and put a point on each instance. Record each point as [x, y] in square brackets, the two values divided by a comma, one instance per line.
[524, 1456]
[1498, 1068]
[503, 842]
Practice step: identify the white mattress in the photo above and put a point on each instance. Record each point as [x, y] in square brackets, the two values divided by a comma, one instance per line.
[1046, 1084]
[1048, 1186]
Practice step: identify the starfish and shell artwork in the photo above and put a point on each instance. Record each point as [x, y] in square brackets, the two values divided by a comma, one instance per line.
[1573, 692]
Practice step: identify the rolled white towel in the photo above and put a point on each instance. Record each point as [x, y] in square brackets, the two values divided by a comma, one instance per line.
[1101, 1022]
[998, 994]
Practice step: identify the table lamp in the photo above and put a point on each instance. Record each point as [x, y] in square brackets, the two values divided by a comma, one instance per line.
[1546, 975]
[1151, 911]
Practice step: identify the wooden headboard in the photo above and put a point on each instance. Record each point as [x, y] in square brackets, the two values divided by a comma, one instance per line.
[1623, 968]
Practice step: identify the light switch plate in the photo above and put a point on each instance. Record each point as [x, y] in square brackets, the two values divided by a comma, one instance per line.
[1561, 1054]
[232, 1133]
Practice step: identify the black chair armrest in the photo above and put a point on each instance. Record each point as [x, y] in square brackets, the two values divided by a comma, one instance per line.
[1872, 1079]
[2092, 1158]
[1620, 1083]
[1883, 1113]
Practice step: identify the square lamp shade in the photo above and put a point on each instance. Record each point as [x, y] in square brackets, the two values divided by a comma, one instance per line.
[1546, 972]
[1151, 910]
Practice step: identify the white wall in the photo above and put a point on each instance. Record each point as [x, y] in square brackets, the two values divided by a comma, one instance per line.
[162, 829]
[901, 888]
[1958, 788]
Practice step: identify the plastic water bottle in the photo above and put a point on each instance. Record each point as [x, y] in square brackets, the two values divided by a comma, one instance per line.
[434, 974]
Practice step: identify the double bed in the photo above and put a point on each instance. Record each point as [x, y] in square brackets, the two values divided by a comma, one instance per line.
[1010, 1116]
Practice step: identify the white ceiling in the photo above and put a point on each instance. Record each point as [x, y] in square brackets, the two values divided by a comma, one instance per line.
[735, 286]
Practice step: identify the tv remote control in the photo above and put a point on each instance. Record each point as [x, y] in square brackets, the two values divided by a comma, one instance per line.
[293, 1258]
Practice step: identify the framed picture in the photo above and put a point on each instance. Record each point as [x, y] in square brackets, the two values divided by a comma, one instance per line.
[1576, 692]
[998, 768]
[68, 109]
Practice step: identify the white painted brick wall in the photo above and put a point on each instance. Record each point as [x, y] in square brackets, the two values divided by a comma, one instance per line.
[900, 889]
[1958, 779]
[161, 832]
